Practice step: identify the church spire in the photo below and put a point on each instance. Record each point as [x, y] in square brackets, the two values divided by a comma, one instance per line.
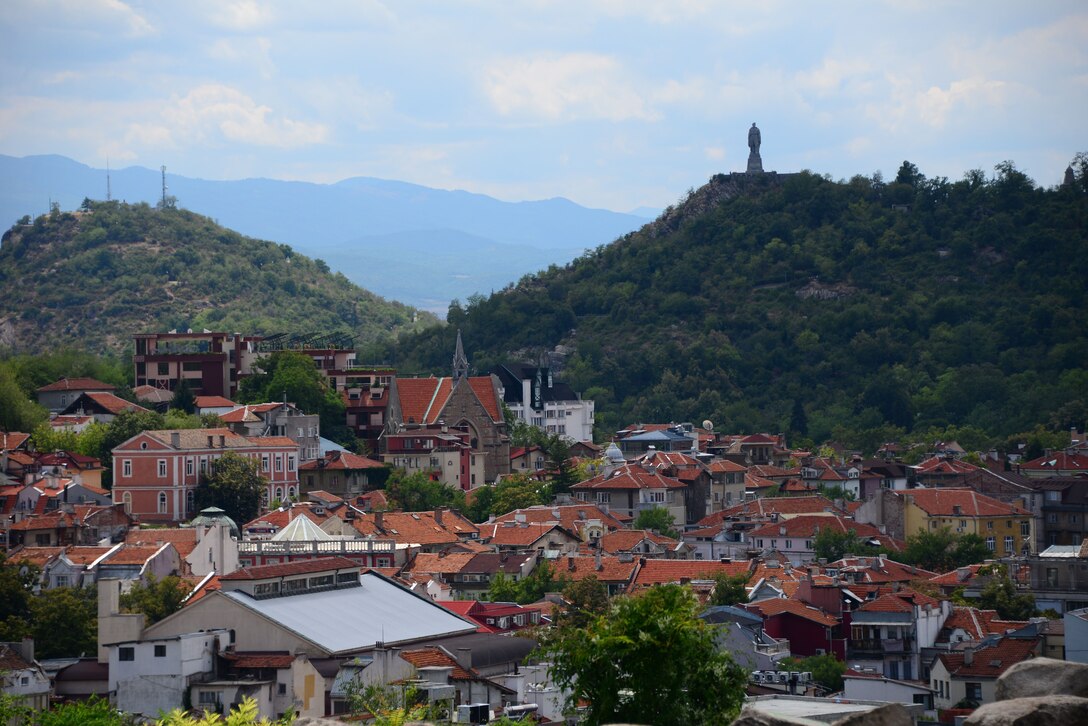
[460, 362]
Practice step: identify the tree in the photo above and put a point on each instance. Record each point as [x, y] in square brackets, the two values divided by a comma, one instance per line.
[834, 545]
[650, 659]
[245, 713]
[585, 600]
[908, 174]
[234, 484]
[64, 622]
[657, 519]
[1000, 594]
[94, 711]
[728, 590]
[157, 598]
[184, 399]
[941, 550]
[518, 491]
[827, 670]
[17, 411]
[416, 492]
[16, 594]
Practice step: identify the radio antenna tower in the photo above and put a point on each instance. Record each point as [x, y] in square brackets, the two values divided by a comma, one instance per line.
[164, 186]
[108, 194]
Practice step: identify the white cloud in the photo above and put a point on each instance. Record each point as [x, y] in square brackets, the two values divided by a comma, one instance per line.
[113, 15]
[935, 104]
[256, 52]
[714, 153]
[216, 110]
[242, 15]
[564, 88]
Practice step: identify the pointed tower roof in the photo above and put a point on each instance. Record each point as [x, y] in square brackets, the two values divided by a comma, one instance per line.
[301, 529]
[460, 362]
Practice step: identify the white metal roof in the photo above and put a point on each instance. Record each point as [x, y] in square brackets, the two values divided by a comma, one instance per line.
[356, 618]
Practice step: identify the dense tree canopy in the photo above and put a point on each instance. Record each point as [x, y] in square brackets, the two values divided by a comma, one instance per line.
[235, 485]
[943, 550]
[649, 659]
[155, 598]
[885, 308]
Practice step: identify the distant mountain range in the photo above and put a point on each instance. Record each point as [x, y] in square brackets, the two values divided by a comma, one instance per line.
[405, 242]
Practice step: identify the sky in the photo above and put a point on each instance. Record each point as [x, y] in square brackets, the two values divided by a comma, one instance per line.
[616, 104]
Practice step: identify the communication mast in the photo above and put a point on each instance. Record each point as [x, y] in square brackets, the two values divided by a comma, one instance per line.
[164, 186]
[108, 194]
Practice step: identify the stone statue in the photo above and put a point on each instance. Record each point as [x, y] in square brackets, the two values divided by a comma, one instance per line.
[755, 162]
[753, 138]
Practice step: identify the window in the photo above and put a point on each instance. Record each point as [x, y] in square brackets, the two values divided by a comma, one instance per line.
[203, 465]
[189, 466]
[789, 544]
[974, 691]
[1072, 519]
[279, 462]
[190, 505]
[208, 697]
[126, 467]
[290, 462]
[603, 497]
[126, 653]
[162, 502]
[1025, 529]
[281, 689]
[1009, 546]
[126, 499]
[264, 462]
[164, 369]
[1052, 518]
[991, 544]
[655, 496]
[162, 468]
[160, 651]
[990, 524]
[61, 581]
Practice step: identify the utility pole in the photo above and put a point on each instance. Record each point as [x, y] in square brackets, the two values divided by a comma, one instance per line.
[164, 186]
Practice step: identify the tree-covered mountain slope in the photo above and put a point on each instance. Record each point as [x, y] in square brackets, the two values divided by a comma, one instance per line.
[92, 278]
[795, 303]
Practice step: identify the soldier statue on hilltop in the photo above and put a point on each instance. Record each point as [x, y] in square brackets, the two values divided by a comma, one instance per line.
[755, 162]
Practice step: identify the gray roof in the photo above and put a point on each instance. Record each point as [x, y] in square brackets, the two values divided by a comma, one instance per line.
[356, 618]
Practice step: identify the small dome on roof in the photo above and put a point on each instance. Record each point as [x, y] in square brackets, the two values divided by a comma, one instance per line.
[614, 454]
[214, 515]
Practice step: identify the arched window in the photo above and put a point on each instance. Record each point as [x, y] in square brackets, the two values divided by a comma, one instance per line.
[162, 502]
[279, 493]
[189, 502]
[291, 492]
[126, 499]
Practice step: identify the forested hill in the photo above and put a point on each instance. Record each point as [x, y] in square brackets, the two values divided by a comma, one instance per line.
[821, 308]
[90, 279]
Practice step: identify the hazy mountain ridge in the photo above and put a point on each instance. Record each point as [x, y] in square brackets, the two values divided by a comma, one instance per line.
[327, 220]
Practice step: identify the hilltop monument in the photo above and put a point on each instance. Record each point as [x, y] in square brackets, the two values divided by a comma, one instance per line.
[755, 162]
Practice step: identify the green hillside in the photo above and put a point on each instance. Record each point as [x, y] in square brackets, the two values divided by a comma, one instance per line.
[823, 308]
[91, 278]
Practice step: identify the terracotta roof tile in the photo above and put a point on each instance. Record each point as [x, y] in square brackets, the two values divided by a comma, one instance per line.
[780, 605]
[260, 660]
[659, 572]
[111, 403]
[992, 661]
[765, 506]
[427, 657]
[77, 384]
[571, 516]
[214, 402]
[624, 540]
[947, 502]
[503, 535]
[37, 556]
[341, 460]
[301, 567]
[611, 571]
[10, 440]
[630, 476]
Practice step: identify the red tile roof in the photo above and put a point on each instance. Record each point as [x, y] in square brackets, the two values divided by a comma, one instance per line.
[130, 554]
[809, 525]
[260, 660]
[774, 606]
[12, 440]
[944, 465]
[879, 570]
[183, 539]
[630, 476]
[440, 563]
[112, 403]
[1058, 461]
[901, 601]
[84, 555]
[504, 535]
[659, 572]
[943, 502]
[611, 570]
[213, 402]
[992, 661]
[341, 460]
[426, 657]
[765, 506]
[485, 391]
[417, 527]
[290, 568]
[725, 466]
[37, 556]
[980, 623]
[77, 384]
[571, 516]
[624, 540]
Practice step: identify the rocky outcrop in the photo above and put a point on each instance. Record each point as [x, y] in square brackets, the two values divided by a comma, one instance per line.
[892, 714]
[1038, 711]
[1042, 677]
[1037, 692]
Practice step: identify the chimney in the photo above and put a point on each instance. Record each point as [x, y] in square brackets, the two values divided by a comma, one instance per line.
[211, 440]
[597, 559]
[438, 515]
[464, 658]
[968, 656]
[378, 519]
[222, 441]
[570, 564]
[175, 439]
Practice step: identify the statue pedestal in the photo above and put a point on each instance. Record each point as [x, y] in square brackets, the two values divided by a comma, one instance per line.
[755, 163]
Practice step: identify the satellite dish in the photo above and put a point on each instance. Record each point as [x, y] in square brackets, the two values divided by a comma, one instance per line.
[708, 425]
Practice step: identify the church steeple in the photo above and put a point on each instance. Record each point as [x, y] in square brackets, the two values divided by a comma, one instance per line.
[460, 362]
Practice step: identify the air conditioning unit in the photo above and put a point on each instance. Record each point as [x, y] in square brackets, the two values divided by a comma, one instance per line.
[474, 713]
[806, 677]
[959, 529]
[783, 676]
[821, 651]
[756, 677]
